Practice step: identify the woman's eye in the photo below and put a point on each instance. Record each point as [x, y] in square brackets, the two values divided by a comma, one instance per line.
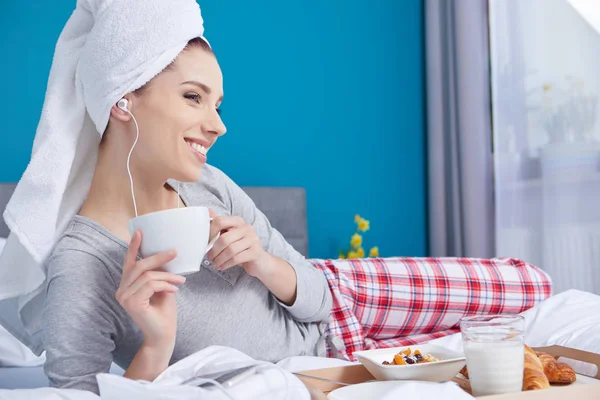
[193, 96]
[219, 111]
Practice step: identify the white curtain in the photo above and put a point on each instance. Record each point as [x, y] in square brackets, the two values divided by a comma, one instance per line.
[545, 77]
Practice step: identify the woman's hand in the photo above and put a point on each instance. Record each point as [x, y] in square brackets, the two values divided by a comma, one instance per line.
[148, 296]
[238, 245]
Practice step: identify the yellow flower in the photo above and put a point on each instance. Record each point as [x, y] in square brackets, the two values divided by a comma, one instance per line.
[374, 252]
[352, 254]
[341, 257]
[357, 218]
[363, 225]
[355, 241]
[360, 252]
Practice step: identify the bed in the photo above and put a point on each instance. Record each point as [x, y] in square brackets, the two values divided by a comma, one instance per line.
[567, 319]
[284, 206]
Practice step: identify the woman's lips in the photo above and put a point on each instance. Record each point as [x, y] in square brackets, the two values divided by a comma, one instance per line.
[198, 150]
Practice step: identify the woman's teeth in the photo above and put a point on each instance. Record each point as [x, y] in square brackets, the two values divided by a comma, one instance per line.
[199, 148]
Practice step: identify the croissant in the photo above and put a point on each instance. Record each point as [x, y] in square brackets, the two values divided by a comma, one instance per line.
[534, 377]
[556, 372]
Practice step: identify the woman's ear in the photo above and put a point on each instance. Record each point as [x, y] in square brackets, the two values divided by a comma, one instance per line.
[120, 113]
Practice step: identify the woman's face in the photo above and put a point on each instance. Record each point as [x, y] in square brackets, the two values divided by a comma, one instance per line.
[178, 117]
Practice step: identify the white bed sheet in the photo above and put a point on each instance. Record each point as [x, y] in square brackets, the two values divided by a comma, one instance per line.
[23, 378]
[13, 353]
[32, 377]
[569, 319]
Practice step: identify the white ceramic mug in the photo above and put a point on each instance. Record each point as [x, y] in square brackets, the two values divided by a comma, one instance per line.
[185, 229]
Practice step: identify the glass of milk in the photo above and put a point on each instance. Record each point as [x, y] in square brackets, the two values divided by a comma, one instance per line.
[494, 351]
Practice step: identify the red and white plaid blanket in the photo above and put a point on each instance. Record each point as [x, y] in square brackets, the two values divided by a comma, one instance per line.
[388, 302]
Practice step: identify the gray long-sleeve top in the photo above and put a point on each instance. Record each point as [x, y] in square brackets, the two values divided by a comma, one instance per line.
[85, 328]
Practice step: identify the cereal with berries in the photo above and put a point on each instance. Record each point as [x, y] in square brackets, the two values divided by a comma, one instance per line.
[408, 357]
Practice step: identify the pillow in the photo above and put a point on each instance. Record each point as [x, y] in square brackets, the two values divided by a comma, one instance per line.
[13, 353]
[569, 319]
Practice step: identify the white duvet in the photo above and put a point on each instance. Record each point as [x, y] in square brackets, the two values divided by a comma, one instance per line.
[569, 319]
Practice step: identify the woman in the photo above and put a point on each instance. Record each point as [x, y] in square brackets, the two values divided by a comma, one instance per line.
[255, 292]
[259, 295]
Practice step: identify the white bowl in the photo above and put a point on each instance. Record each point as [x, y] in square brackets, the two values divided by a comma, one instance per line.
[438, 371]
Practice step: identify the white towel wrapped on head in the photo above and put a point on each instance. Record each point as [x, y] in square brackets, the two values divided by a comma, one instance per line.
[108, 48]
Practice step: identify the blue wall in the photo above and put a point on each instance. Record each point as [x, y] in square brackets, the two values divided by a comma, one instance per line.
[317, 95]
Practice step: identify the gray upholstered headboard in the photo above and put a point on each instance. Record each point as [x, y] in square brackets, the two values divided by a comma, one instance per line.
[284, 207]
[6, 190]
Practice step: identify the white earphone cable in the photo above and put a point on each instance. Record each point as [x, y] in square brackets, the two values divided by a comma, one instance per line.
[137, 135]
[198, 380]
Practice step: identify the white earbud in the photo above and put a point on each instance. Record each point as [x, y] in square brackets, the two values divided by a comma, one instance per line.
[122, 104]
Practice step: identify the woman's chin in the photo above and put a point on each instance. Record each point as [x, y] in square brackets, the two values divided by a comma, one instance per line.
[191, 174]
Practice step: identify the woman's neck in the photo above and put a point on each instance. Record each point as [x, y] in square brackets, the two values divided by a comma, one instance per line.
[109, 200]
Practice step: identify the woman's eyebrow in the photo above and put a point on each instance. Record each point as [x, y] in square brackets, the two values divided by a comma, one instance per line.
[202, 86]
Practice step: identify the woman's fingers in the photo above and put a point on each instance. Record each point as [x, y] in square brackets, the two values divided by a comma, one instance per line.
[238, 239]
[133, 300]
[149, 276]
[220, 224]
[146, 291]
[239, 258]
[231, 251]
[224, 241]
[147, 264]
[132, 252]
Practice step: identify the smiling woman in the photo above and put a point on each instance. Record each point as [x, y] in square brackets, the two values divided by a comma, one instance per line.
[180, 104]
[103, 302]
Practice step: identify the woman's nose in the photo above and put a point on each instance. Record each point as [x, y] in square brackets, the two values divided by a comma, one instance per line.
[214, 124]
